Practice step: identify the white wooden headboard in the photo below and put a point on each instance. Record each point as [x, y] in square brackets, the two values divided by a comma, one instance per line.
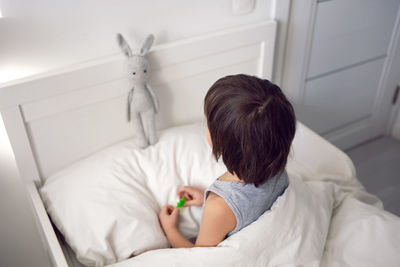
[57, 118]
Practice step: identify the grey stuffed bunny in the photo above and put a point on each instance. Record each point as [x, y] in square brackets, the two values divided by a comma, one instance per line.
[142, 102]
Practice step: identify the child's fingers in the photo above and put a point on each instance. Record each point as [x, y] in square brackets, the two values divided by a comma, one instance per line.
[188, 196]
[181, 191]
[191, 203]
[183, 194]
[166, 210]
[163, 211]
[188, 203]
[170, 209]
[175, 212]
[186, 188]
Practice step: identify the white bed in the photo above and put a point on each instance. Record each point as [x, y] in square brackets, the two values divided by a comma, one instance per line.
[58, 118]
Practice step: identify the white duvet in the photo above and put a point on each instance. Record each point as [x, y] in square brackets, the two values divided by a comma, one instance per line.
[314, 223]
[324, 218]
[327, 220]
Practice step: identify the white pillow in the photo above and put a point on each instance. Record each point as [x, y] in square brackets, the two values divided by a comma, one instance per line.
[107, 205]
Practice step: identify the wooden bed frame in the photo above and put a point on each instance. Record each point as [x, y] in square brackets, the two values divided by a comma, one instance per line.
[57, 118]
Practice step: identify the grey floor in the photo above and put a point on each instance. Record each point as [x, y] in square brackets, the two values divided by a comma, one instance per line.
[378, 168]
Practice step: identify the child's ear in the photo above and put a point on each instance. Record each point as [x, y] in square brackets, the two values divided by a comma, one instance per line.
[124, 45]
[147, 44]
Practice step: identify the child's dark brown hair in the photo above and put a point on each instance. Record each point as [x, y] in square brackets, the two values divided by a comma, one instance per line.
[252, 126]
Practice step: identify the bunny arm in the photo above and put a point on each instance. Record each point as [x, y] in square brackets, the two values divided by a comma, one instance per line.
[130, 103]
[153, 96]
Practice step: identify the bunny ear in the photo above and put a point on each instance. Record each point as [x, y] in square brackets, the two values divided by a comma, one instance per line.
[124, 45]
[147, 45]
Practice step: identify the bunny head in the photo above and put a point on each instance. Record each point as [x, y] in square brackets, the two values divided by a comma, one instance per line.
[137, 65]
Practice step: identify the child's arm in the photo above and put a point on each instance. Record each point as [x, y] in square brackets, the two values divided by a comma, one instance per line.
[169, 222]
[217, 221]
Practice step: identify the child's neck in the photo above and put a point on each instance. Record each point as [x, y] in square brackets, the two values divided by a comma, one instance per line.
[230, 177]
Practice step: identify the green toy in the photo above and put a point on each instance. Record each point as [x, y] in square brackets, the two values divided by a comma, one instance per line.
[181, 203]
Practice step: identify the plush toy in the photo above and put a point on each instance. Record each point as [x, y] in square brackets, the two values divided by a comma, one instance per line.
[142, 102]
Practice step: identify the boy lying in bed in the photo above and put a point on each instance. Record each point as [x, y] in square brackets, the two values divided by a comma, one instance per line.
[251, 124]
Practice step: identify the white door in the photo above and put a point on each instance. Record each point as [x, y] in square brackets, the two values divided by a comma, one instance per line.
[338, 58]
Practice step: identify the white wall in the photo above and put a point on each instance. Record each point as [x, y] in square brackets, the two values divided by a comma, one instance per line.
[44, 34]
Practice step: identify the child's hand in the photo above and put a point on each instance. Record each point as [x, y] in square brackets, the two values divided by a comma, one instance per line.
[169, 217]
[194, 196]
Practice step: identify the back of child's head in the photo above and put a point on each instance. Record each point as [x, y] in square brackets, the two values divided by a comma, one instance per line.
[251, 124]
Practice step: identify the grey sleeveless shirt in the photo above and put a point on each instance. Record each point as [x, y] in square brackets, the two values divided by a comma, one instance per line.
[247, 201]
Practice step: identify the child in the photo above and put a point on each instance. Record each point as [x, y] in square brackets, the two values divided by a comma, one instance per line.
[251, 124]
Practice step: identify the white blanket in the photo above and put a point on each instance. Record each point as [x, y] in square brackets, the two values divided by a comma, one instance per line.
[311, 224]
[106, 206]
[324, 218]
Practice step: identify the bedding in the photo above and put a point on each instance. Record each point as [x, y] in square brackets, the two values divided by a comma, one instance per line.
[292, 233]
[362, 235]
[106, 207]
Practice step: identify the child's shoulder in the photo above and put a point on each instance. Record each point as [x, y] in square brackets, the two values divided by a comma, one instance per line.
[217, 210]
[215, 204]
[216, 201]
[212, 196]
